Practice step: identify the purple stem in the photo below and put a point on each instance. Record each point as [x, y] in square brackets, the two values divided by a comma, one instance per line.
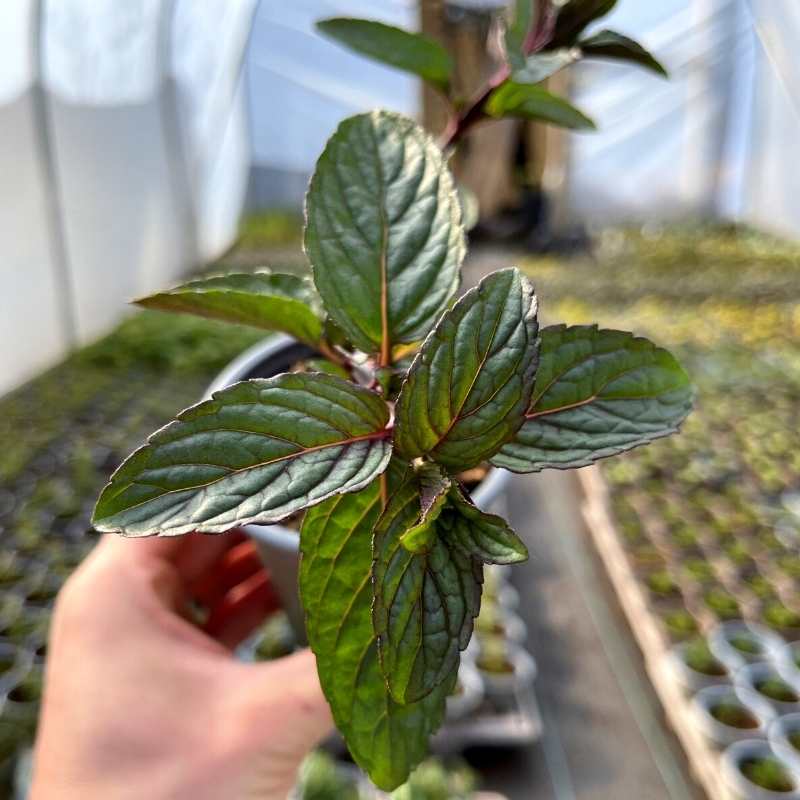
[540, 34]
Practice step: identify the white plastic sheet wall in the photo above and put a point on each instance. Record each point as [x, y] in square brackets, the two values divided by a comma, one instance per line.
[124, 156]
[771, 195]
[717, 140]
[660, 142]
[32, 320]
[302, 85]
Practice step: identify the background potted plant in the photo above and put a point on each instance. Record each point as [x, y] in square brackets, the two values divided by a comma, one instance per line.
[752, 771]
[784, 736]
[788, 660]
[507, 670]
[695, 666]
[738, 643]
[523, 63]
[783, 695]
[386, 400]
[727, 715]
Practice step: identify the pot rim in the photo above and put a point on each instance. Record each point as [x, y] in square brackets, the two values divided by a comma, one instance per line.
[471, 681]
[742, 786]
[726, 734]
[720, 646]
[748, 675]
[785, 663]
[279, 536]
[524, 674]
[691, 678]
[777, 735]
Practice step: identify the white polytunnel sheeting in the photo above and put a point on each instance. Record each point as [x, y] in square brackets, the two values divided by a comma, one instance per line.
[771, 198]
[717, 140]
[104, 75]
[34, 328]
[660, 142]
[302, 85]
[125, 158]
[130, 133]
[208, 53]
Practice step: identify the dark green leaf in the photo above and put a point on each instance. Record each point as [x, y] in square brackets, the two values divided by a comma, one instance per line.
[540, 67]
[264, 300]
[517, 32]
[469, 386]
[410, 52]
[424, 604]
[484, 536]
[384, 231]
[534, 102]
[598, 393]
[256, 452]
[386, 739]
[609, 44]
[334, 334]
[434, 484]
[575, 16]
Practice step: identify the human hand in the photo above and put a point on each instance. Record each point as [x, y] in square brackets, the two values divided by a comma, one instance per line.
[141, 703]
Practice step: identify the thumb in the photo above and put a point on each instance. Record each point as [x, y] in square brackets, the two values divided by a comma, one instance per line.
[286, 692]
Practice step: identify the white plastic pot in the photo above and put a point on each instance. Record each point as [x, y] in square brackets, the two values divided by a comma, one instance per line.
[513, 689]
[785, 661]
[23, 772]
[502, 572]
[462, 705]
[507, 596]
[739, 786]
[719, 642]
[751, 675]
[514, 628]
[22, 660]
[279, 546]
[780, 730]
[690, 679]
[718, 732]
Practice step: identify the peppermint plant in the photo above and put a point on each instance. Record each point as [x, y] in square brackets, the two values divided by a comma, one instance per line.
[409, 387]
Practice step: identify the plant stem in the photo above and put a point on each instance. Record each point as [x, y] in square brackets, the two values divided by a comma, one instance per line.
[539, 36]
[384, 490]
[460, 123]
[326, 350]
[541, 33]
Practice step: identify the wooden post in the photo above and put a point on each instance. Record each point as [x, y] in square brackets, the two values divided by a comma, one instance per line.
[485, 159]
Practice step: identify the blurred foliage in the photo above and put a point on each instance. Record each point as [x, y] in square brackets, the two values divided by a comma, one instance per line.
[63, 433]
[321, 778]
[168, 342]
[712, 507]
[275, 228]
[432, 780]
[147, 349]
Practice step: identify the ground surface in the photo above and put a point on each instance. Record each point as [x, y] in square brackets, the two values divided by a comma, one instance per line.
[604, 734]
